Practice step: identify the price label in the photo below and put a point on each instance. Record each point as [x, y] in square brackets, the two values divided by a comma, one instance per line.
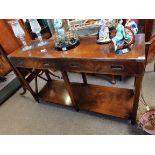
[64, 49]
[43, 50]
[125, 50]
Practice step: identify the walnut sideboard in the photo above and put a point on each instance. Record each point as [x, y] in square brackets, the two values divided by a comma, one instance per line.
[88, 57]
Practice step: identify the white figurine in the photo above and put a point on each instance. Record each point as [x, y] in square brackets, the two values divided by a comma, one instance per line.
[58, 25]
[104, 32]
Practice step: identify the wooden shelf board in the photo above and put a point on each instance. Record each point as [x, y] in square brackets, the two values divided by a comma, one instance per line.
[99, 99]
[55, 92]
[105, 100]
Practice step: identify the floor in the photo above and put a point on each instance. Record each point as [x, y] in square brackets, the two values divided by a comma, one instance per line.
[9, 78]
[8, 87]
[22, 115]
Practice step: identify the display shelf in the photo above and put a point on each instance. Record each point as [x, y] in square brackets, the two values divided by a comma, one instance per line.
[105, 100]
[99, 99]
[55, 92]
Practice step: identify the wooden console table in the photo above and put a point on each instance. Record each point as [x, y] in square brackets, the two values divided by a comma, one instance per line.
[88, 57]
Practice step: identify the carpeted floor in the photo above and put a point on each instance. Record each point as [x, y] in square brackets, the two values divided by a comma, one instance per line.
[22, 115]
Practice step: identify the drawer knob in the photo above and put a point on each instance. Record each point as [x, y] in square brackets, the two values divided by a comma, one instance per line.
[117, 67]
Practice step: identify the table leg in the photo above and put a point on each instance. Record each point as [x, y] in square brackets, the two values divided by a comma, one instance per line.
[138, 84]
[50, 72]
[36, 82]
[47, 75]
[38, 74]
[24, 90]
[68, 86]
[26, 85]
[113, 80]
[84, 78]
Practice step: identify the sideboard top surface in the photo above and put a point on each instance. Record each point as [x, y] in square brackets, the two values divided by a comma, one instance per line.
[88, 49]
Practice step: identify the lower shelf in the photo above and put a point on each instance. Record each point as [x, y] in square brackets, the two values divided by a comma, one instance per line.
[99, 99]
[55, 92]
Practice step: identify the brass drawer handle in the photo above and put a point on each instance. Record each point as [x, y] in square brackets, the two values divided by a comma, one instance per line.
[117, 67]
[46, 64]
[75, 65]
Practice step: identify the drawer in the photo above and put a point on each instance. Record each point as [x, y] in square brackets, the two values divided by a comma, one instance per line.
[103, 67]
[35, 63]
[87, 66]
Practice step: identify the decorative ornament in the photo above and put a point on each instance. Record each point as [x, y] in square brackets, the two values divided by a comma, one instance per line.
[19, 33]
[132, 26]
[36, 28]
[118, 40]
[124, 38]
[104, 32]
[65, 37]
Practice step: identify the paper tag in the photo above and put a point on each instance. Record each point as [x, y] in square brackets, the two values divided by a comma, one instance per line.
[147, 108]
[141, 57]
[64, 49]
[43, 50]
[125, 50]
